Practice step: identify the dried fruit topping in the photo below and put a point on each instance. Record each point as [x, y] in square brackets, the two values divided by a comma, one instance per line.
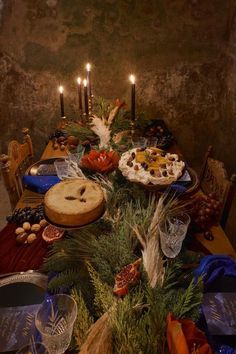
[128, 276]
[133, 155]
[152, 172]
[163, 165]
[136, 168]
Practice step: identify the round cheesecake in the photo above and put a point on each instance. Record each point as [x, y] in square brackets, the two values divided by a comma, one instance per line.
[151, 166]
[74, 202]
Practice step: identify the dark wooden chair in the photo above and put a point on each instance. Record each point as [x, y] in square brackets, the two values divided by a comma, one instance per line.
[14, 165]
[214, 179]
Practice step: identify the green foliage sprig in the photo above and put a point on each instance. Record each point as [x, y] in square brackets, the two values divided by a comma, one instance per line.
[83, 320]
[104, 297]
[98, 252]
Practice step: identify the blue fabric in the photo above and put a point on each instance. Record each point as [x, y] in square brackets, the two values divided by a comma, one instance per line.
[179, 188]
[40, 184]
[215, 267]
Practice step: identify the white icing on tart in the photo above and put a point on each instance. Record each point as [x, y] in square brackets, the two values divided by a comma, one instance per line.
[151, 166]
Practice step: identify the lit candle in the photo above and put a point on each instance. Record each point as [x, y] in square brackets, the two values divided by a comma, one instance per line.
[88, 68]
[85, 97]
[132, 80]
[61, 101]
[80, 94]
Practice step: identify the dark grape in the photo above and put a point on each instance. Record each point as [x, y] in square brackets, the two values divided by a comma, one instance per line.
[206, 210]
[32, 215]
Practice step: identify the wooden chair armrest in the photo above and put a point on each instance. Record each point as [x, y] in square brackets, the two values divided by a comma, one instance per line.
[219, 245]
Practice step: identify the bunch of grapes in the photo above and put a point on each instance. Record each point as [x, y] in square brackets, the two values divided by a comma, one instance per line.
[57, 134]
[206, 210]
[32, 215]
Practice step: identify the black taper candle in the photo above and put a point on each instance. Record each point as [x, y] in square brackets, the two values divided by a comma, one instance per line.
[86, 97]
[80, 94]
[132, 79]
[133, 101]
[89, 81]
[62, 101]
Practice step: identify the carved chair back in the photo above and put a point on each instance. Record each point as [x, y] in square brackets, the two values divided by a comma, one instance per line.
[214, 179]
[14, 165]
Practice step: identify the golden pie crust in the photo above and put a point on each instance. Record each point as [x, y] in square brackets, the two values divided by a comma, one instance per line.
[74, 202]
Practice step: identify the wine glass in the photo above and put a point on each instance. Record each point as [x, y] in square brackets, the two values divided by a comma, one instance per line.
[139, 142]
[173, 230]
[55, 320]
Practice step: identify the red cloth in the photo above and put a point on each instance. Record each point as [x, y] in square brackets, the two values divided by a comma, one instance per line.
[17, 257]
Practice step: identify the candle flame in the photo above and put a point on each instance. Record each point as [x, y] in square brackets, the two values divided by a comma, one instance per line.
[79, 80]
[85, 82]
[88, 67]
[132, 79]
[61, 89]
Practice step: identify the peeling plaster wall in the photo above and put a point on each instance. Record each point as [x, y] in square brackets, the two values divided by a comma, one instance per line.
[182, 51]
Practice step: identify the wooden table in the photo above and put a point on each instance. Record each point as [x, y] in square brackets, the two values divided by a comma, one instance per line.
[220, 244]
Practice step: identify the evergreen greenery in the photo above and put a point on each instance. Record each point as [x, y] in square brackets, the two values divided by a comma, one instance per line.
[82, 132]
[83, 320]
[87, 260]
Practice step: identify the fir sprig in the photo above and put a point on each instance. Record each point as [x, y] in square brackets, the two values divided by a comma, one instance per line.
[104, 297]
[83, 320]
[189, 301]
[65, 279]
[79, 131]
[172, 271]
[113, 252]
[69, 252]
[126, 320]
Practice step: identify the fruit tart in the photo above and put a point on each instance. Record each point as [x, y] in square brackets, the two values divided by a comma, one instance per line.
[151, 166]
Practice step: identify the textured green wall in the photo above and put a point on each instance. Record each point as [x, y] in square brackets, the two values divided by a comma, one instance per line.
[181, 52]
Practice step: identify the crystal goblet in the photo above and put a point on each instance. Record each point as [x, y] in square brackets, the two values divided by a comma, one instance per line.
[173, 230]
[139, 142]
[55, 320]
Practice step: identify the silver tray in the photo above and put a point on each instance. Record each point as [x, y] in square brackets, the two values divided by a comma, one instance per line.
[33, 169]
[20, 297]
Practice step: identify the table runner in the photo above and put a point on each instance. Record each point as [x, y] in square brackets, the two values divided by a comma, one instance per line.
[17, 257]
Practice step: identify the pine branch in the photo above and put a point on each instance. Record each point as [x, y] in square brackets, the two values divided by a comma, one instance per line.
[172, 272]
[125, 320]
[104, 297]
[66, 278]
[189, 301]
[79, 131]
[70, 251]
[83, 320]
[122, 122]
